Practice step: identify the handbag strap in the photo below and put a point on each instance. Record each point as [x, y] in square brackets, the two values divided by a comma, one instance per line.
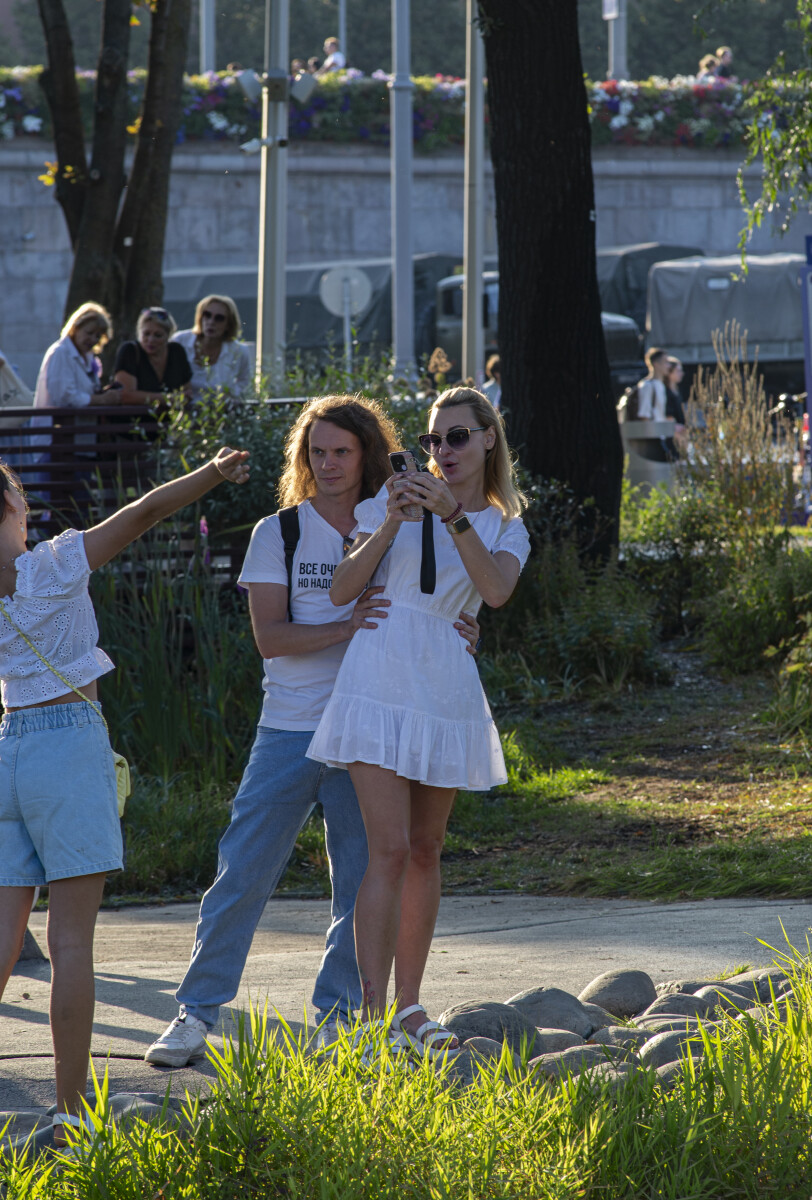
[71, 686]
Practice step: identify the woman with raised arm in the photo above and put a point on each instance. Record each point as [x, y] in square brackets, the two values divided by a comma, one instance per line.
[59, 822]
[408, 715]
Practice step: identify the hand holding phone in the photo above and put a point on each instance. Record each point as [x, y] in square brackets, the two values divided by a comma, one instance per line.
[403, 462]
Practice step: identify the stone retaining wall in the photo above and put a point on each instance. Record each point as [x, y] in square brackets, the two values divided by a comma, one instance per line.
[339, 208]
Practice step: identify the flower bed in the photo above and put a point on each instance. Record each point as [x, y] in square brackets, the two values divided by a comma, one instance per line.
[351, 107]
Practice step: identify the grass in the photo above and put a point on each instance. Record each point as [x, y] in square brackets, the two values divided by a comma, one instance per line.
[674, 792]
[281, 1123]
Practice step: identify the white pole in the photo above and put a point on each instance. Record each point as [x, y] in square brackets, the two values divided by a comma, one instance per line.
[474, 220]
[618, 38]
[342, 29]
[400, 104]
[347, 328]
[207, 37]
[273, 198]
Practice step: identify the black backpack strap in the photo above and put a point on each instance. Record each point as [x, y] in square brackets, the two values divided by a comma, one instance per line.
[289, 524]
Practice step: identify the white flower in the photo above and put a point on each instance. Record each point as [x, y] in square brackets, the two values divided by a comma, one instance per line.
[7, 129]
[659, 115]
[618, 122]
[626, 87]
[626, 108]
[217, 121]
[645, 124]
[32, 124]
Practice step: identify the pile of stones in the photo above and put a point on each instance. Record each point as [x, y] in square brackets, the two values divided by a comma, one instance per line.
[573, 1035]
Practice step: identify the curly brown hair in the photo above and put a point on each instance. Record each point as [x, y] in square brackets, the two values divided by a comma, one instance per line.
[356, 414]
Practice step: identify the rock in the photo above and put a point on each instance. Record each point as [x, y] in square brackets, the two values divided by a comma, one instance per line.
[551, 1008]
[485, 1018]
[652, 1025]
[678, 1004]
[567, 1062]
[669, 1075]
[665, 1047]
[548, 1041]
[689, 986]
[127, 1107]
[464, 1070]
[489, 1050]
[762, 978]
[725, 999]
[622, 993]
[620, 1037]
[607, 1076]
[600, 1016]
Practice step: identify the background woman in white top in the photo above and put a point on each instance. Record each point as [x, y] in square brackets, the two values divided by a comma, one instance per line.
[218, 360]
[58, 807]
[408, 714]
[70, 375]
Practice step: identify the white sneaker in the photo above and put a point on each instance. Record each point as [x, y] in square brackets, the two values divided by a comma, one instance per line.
[180, 1043]
[327, 1034]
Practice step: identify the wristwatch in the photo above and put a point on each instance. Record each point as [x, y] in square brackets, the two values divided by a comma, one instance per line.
[459, 526]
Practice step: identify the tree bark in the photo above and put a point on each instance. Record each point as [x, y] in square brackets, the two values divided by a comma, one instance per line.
[139, 243]
[58, 82]
[90, 277]
[556, 385]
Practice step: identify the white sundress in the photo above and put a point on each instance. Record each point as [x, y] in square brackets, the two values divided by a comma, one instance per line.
[408, 695]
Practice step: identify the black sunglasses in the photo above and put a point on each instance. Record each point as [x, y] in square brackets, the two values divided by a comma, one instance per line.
[455, 439]
[210, 316]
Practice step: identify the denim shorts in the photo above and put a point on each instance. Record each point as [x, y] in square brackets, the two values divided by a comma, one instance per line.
[58, 808]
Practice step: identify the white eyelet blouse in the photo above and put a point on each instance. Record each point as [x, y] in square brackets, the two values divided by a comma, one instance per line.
[51, 604]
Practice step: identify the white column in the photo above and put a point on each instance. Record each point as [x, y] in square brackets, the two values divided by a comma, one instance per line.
[618, 42]
[474, 220]
[207, 37]
[400, 104]
[341, 33]
[273, 198]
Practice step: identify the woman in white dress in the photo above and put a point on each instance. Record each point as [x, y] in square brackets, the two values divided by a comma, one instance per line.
[408, 715]
[219, 361]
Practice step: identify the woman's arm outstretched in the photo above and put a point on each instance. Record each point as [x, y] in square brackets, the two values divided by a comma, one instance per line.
[106, 540]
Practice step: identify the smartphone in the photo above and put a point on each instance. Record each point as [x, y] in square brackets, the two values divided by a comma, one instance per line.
[403, 461]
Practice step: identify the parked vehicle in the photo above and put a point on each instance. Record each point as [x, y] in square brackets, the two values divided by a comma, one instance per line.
[623, 275]
[621, 334]
[692, 297]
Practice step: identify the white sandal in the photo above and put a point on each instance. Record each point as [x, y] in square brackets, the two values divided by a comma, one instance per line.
[59, 1119]
[371, 1054]
[427, 1035]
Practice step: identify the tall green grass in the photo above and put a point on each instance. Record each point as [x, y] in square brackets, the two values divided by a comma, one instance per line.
[284, 1123]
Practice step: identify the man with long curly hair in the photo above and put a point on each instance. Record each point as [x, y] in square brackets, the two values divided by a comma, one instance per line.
[336, 455]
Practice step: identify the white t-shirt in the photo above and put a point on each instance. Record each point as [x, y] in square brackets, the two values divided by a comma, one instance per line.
[651, 400]
[52, 606]
[298, 686]
[334, 62]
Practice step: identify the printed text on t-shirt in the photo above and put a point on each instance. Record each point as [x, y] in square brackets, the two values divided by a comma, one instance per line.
[315, 575]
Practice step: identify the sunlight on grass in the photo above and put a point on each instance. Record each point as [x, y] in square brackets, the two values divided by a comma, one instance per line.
[284, 1122]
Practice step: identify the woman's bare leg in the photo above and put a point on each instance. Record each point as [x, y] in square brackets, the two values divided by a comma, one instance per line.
[384, 798]
[430, 810]
[73, 905]
[15, 907]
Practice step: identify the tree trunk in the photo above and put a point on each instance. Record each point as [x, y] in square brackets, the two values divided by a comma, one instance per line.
[58, 82]
[117, 255]
[141, 230]
[90, 277]
[555, 374]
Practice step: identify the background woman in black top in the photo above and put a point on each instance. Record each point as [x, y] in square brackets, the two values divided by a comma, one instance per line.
[152, 366]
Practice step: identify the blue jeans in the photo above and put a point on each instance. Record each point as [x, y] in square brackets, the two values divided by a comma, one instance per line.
[277, 793]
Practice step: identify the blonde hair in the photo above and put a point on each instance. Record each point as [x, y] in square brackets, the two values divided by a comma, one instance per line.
[233, 323]
[355, 414]
[500, 486]
[84, 315]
